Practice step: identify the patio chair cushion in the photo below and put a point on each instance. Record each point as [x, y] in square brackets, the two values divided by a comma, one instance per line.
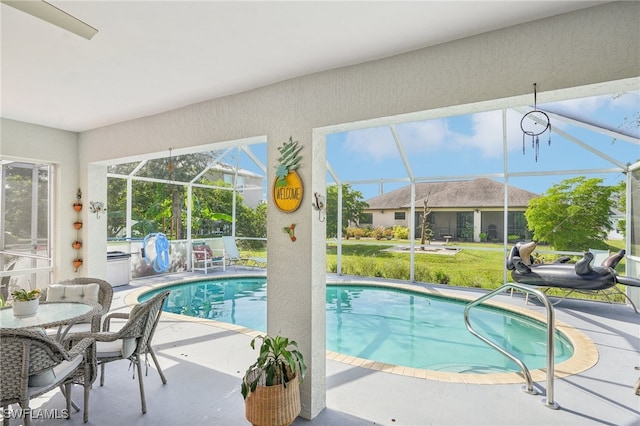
[47, 377]
[119, 347]
[116, 348]
[199, 251]
[73, 293]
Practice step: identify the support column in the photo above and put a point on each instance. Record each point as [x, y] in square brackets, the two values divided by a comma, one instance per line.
[477, 225]
[94, 229]
[297, 267]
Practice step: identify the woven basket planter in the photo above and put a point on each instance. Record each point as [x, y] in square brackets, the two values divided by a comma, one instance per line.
[275, 405]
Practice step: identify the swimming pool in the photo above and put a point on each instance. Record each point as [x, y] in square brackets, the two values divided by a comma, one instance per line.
[385, 324]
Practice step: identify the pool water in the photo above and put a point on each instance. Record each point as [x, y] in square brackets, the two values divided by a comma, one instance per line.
[388, 325]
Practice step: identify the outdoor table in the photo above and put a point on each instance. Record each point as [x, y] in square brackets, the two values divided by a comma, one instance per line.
[51, 314]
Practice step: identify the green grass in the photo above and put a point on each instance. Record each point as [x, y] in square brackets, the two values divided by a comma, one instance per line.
[469, 268]
[479, 265]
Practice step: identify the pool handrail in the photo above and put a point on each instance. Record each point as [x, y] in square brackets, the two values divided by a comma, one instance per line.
[548, 401]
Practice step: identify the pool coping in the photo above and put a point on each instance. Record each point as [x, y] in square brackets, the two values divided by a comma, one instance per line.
[584, 357]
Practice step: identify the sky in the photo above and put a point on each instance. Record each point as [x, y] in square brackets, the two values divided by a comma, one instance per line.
[473, 144]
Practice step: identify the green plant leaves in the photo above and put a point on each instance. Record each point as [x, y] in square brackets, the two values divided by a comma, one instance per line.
[279, 361]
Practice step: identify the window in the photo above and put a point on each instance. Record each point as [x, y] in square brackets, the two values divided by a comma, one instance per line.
[399, 215]
[366, 218]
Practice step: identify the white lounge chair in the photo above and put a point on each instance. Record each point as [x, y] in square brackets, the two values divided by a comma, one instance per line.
[233, 254]
[203, 257]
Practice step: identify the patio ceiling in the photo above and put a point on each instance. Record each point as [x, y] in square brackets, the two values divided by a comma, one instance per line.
[153, 56]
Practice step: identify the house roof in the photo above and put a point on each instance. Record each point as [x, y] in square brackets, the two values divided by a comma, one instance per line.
[480, 192]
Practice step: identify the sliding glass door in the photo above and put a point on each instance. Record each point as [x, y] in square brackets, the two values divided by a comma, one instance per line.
[25, 213]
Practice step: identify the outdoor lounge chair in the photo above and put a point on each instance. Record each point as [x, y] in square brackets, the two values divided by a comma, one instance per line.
[132, 341]
[581, 276]
[233, 254]
[204, 257]
[32, 364]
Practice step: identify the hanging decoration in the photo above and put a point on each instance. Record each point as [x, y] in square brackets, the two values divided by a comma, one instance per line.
[97, 207]
[77, 244]
[162, 260]
[287, 188]
[290, 230]
[533, 124]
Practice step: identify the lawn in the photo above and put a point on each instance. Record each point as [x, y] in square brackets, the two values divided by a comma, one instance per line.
[478, 265]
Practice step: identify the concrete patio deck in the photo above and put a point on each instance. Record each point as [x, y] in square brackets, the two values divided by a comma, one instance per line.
[204, 365]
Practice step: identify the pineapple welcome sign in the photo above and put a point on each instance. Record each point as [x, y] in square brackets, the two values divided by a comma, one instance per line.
[287, 189]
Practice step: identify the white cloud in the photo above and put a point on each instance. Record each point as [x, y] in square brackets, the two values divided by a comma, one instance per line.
[376, 143]
[482, 137]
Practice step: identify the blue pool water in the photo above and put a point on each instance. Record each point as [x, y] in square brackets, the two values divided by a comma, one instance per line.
[385, 324]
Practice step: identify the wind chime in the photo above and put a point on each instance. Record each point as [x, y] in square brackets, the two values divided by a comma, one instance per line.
[533, 124]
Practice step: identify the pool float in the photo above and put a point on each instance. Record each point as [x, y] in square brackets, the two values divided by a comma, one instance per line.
[581, 276]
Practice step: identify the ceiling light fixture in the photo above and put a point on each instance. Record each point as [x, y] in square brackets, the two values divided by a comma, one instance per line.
[51, 14]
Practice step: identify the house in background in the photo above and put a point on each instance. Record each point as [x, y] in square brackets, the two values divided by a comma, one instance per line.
[460, 210]
[250, 185]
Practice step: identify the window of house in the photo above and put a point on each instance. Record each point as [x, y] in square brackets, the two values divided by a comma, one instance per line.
[399, 215]
[366, 218]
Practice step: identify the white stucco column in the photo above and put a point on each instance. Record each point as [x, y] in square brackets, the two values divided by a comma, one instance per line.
[94, 230]
[296, 272]
[477, 225]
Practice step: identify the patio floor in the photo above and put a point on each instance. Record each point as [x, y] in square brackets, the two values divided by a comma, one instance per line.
[204, 365]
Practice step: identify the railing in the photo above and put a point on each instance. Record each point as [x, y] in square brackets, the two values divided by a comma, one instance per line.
[548, 401]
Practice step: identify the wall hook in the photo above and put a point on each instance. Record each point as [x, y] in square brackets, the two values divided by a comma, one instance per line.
[319, 205]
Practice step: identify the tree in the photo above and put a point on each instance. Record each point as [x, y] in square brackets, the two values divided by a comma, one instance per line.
[161, 206]
[252, 223]
[352, 208]
[572, 215]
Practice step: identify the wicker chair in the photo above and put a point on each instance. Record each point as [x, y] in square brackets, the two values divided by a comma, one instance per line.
[31, 364]
[132, 340]
[105, 296]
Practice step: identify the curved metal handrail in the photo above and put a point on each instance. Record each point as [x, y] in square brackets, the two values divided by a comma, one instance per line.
[548, 401]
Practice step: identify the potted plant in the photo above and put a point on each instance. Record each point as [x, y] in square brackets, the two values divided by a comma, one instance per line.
[25, 302]
[77, 262]
[271, 385]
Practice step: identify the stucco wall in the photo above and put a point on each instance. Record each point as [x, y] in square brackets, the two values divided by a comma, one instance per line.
[22, 141]
[563, 55]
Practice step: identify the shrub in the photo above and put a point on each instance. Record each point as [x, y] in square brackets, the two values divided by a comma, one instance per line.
[401, 232]
[349, 232]
[378, 233]
[388, 233]
[367, 232]
[358, 233]
[441, 277]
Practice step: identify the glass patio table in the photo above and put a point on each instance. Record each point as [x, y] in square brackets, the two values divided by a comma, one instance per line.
[51, 314]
